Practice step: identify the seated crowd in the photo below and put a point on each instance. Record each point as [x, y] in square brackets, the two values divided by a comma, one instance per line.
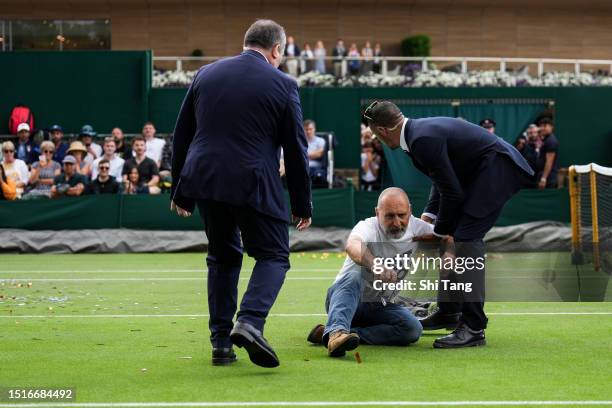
[55, 168]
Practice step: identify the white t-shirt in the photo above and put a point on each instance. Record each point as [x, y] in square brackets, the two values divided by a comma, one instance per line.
[155, 146]
[17, 171]
[369, 230]
[116, 167]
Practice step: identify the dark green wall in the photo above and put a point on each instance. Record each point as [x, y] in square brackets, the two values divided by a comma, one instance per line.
[338, 207]
[583, 115]
[71, 88]
[110, 88]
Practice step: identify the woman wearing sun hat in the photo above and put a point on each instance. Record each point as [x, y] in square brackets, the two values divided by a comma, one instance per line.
[84, 159]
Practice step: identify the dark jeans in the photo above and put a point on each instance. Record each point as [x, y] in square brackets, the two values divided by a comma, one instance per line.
[264, 238]
[375, 324]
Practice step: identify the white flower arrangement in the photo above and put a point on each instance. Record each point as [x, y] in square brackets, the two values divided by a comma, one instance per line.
[432, 78]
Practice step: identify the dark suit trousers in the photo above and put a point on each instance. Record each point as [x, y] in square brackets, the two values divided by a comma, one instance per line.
[264, 238]
[468, 237]
[469, 244]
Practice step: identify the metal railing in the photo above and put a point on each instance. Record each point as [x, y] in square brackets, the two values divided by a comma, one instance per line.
[425, 62]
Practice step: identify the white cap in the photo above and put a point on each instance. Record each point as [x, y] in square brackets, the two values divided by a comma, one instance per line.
[23, 126]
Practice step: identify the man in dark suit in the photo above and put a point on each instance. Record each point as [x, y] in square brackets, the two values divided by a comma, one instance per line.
[474, 173]
[237, 114]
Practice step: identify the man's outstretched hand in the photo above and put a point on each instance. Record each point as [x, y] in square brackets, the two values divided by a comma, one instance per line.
[302, 223]
[181, 212]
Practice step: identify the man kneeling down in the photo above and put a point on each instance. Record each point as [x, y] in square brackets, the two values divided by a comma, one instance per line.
[356, 312]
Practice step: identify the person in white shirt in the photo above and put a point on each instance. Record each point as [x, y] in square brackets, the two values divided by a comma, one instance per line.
[155, 145]
[291, 53]
[353, 319]
[14, 169]
[306, 57]
[116, 162]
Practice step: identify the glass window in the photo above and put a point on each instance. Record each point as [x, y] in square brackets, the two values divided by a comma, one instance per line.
[34, 34]
[55, 35]
[86, 34]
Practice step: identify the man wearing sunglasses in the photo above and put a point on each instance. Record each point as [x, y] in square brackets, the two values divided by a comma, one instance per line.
[473, 174]
[104, 183]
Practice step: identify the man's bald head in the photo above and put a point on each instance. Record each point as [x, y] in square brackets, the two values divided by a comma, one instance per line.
[392, 194]
[393, 211]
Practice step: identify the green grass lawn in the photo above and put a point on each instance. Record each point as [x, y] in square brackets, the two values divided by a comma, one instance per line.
[133, 328]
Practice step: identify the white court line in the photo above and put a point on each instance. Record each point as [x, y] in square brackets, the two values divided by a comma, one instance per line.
[202, 270]
[307, 404]
[125, 316]
[325, 278]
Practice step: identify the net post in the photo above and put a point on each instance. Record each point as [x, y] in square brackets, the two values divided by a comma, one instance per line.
[595, 218]
[574, 193]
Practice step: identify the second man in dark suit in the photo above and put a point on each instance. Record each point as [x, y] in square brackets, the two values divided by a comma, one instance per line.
[473, 173]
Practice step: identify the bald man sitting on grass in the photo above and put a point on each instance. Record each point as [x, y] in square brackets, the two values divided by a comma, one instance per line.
[357, 313]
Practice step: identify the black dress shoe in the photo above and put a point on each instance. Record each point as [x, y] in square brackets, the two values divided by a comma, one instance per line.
[463, 336]
[316, 335]
[223, 356]
[438, 320]
[260, 352]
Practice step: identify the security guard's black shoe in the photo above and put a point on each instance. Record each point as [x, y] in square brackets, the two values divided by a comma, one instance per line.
[223, 356]
[463, 336]
[438, 320]
[260, 352]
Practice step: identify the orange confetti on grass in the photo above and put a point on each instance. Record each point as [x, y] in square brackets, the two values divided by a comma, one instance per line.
[358, 357]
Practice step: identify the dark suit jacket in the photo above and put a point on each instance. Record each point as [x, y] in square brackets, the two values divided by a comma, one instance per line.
[296, 51]
[473, 171]
[237, 114]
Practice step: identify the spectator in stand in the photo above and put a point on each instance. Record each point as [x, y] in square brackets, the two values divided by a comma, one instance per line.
[320, 53]
[339, 52]
[69, 183]
[43, 172]
[366, 135]
[116, 163]
[26, 150]
[104, 183]
[86, 137]
[292, 52]
[148, 171]
[155, 145]
[8, 189]
[353, 65]
[15, 170]
[370, 168]
[531, 153]
[316, 149]
[520, 142]
[367, 52]
[83, 159]
[133, 184]
[548, 161]
[56, 132]
[165, 168]
[377, 64]
[123, 149]
[306, 57]
[488, 124]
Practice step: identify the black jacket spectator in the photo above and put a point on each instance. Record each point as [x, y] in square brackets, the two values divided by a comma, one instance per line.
[109, 186]
[549, 145]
